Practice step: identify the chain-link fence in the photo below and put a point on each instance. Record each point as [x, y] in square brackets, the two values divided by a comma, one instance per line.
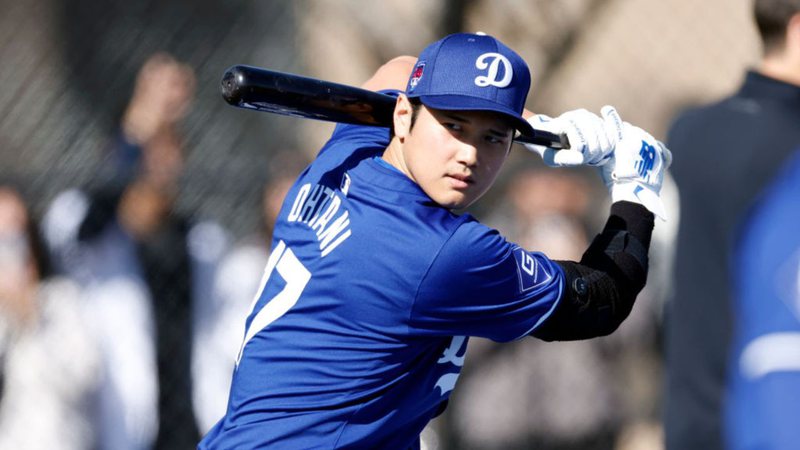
[69, 75]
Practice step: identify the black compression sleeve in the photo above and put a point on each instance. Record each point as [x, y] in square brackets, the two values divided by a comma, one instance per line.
[599, 291]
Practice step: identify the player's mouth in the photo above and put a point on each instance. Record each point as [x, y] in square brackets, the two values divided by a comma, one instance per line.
[460, 181]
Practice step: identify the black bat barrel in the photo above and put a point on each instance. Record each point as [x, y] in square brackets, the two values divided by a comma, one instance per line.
[295, 95]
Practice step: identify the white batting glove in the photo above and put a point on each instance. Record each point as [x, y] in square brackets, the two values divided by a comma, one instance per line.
[636, 169]
[591, 138]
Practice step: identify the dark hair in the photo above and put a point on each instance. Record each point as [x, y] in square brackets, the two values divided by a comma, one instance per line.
[415, 105]
[772, 17]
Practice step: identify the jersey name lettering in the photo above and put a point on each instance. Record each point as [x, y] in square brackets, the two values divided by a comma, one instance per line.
[316, 207]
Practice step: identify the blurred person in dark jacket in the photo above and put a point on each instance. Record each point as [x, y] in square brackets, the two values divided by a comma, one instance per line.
[725, 154]
[149, 274]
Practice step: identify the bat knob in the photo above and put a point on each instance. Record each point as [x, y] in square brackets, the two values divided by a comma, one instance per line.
[232, 84]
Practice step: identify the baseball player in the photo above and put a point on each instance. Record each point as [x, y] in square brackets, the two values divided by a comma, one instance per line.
[375, 282]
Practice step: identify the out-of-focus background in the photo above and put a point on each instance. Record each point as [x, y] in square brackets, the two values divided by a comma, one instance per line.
[68, 71]
[79, 80]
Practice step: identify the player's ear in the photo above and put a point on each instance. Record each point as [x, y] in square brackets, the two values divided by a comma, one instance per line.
[793, 35]
[402, 117]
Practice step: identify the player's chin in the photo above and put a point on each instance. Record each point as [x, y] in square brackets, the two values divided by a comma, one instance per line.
[456, 199]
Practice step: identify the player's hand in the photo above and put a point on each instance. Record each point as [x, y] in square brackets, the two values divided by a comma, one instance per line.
[591, 137]
[161, 98]
[636, 169]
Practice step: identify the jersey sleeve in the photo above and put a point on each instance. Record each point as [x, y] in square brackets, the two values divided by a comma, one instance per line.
[479, 284]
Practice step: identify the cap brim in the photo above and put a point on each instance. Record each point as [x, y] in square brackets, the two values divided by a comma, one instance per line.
[465, 103]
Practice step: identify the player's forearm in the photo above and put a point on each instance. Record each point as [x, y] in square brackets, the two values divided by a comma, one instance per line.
[599, 291]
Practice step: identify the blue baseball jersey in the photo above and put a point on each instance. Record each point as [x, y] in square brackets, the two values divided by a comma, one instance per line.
[763, 391]
[359, 332]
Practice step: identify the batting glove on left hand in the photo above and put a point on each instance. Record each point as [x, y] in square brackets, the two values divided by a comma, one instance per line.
[636, 169]
[591, 138]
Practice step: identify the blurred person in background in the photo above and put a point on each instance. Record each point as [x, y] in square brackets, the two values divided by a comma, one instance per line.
[49, 365]
[581, 398]
[763, 391]
[149, 274]
[538, 199]
[236, 280]
[726, 153]
[242, 266]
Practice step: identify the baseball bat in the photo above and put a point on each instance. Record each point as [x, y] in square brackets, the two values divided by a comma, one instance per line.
[294, 95]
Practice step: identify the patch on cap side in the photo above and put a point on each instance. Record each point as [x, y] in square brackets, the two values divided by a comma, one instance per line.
[416, 75]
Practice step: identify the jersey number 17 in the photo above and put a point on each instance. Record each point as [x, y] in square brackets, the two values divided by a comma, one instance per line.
[296, 276]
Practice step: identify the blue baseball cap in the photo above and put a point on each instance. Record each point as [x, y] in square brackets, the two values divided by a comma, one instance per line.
[467, 71]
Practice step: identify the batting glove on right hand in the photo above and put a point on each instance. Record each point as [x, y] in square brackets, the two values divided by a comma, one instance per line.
[636, 169]
[591, 138]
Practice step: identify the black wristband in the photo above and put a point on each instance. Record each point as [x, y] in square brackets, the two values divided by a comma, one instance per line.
[633, 218]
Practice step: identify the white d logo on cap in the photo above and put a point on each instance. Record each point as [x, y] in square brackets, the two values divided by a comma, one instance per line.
[491, 77]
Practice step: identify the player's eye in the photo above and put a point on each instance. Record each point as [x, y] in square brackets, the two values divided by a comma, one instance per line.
[492, 139]
[453, 126]
[496, 139]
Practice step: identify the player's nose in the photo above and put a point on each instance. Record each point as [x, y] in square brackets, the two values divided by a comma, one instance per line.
[467, 153]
